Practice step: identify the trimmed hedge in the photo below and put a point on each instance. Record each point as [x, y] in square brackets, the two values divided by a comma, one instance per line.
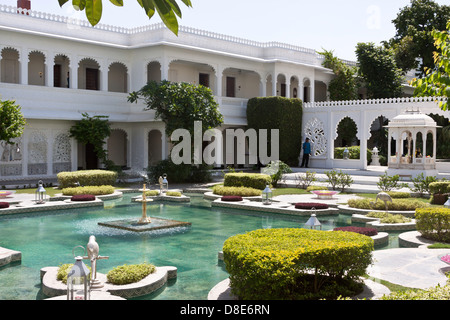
[439, 187]
[283, 114]
[231, 198]
[439, 191]
[86, 178]
[83, 197]
[296, 263]
[127, 274]
[236, 191]
[4, 205]
[434, 223]
[248, 180]
[94, 190]
[396, 205]
[310, 205]
[361, 230]
[353, 153]
[173, 193]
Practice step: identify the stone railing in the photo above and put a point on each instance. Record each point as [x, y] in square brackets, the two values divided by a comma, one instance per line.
[306, 54]
[347, 103]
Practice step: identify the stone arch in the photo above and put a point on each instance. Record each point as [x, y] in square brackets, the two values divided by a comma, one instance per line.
[10, 65]
[36, 68]
[154, 71]
[241, 83]
[295, 87]
[61, 71]
[378, 135]
[281, 85]
[307, 90]
[346, 132]
[118, 77]
[118, 147]
[88, 74]
[155, 141]
[193, 72]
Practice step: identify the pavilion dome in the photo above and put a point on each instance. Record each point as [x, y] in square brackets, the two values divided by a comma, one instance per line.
[412, 118]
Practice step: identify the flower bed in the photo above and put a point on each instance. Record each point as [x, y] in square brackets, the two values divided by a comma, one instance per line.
[83, 197]
[231, 198]
[310, 205]
[6, 193]
[361, 230]
[4, 205]
[446, 258]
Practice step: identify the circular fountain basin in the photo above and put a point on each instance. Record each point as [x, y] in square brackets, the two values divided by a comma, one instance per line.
[6, 193]
[324, 194]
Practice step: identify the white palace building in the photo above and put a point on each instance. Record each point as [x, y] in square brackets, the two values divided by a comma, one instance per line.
[57, 68]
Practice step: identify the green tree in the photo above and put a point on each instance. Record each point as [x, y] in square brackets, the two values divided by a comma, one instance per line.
[344, 86]
[436, 82]
[93, 130]
[413, 41]
[378, 70]
[179, 105]
[168, 10]
[12, 121]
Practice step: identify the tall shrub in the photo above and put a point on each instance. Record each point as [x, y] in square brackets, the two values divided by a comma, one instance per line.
[283, 114]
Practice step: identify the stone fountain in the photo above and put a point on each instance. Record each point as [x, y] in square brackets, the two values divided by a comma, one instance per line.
[145, 223]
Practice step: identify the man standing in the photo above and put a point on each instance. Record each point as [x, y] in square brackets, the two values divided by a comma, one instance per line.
[306, 153]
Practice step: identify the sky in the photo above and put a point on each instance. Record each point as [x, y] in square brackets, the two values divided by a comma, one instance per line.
[336, 25]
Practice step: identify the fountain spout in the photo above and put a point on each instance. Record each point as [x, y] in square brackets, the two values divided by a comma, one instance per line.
[144, 219]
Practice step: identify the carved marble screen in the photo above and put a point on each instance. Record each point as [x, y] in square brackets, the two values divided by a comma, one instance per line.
[37, 153]
[62, 153]
[314, 130]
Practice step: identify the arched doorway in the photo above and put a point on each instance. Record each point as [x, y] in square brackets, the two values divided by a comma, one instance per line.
[154, 147]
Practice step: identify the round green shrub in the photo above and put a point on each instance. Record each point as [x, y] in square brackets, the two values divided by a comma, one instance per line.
[93, 190]
[152, 193]
[173, 193]
[313, 188]
[399, 195]
[389, 218]
[249, 180]
[86, 178]
[127, 274]
[236, 191]
[296, 263]
[396, 205]
[434, 223]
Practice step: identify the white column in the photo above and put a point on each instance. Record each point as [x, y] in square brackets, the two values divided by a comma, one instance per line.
[274, 84]
[263, 87]
[49, 63]
[288, 88]
[389, 148]
[73, 76]
[104, 76]
[312, 90]
[164, 69]
[23, 60]
[301, 92]
[363, 140]
[219, 81]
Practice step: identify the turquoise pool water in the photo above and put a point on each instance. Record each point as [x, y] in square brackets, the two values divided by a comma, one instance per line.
[48, 239]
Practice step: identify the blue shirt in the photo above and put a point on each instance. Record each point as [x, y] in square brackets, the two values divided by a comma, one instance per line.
[306, 148]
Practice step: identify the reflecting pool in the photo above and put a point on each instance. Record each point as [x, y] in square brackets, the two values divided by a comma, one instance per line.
[47, 239]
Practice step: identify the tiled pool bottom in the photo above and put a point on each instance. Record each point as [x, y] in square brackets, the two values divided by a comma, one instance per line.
[48, 239]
